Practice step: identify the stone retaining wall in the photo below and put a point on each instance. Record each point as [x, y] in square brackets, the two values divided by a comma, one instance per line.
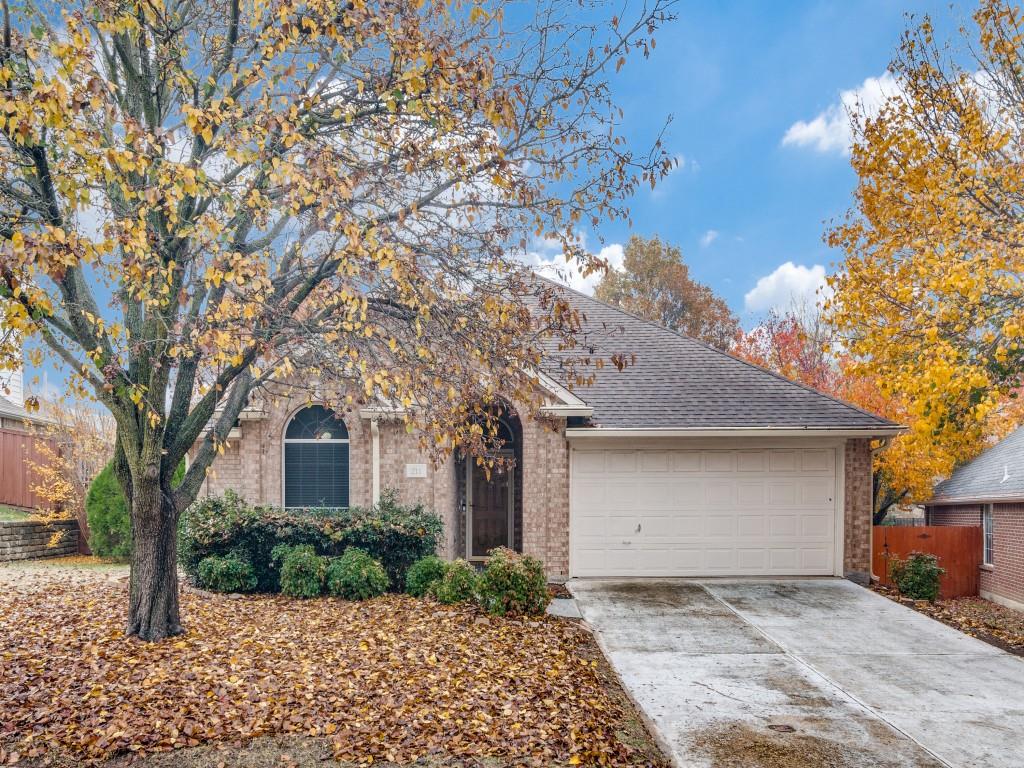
[25, 540]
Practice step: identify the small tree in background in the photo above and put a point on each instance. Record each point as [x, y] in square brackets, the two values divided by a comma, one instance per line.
[655, 284]
[79, 441]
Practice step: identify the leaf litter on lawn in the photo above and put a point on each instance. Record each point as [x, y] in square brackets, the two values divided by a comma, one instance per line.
[392, 679]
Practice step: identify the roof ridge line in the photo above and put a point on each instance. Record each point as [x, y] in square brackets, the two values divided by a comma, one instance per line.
[704, 344]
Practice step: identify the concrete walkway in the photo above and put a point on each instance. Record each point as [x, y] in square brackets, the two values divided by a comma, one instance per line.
[810, 672]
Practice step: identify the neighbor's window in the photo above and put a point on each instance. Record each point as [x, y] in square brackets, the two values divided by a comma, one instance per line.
[988, 540]
[316, 459]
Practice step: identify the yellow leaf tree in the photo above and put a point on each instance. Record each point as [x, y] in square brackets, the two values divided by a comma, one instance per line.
[200, 200]
[930, 300]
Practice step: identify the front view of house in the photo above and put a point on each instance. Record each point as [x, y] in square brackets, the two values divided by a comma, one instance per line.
[688, 463]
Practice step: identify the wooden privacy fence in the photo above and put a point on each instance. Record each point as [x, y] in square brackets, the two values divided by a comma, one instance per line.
[958, 548]
[17, 450]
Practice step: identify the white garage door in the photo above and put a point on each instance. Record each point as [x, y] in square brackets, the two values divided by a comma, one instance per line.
[703, 512]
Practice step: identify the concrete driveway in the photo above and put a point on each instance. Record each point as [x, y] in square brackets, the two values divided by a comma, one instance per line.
[805, 672]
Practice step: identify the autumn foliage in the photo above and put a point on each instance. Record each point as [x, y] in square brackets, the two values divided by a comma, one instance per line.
[930, 302]
[199, 201]
[393, 678]
[655, 284]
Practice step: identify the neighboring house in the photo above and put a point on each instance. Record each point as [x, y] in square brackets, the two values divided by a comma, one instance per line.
[17, 446]
[989, 492]
[690, 462]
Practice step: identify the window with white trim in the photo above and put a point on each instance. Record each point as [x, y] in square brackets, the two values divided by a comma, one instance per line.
[316, 459]
[987, 534]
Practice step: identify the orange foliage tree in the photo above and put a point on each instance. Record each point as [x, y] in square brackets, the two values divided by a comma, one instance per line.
[929, 303]
[655, 284]
[268, 186]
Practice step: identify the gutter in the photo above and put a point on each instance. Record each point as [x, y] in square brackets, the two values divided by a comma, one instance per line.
[587, 433]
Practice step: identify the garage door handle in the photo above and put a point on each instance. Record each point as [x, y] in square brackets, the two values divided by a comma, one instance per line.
[624, 541]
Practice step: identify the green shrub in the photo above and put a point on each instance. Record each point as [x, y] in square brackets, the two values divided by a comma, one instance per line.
[110, 532]
[228, 573]
[457, 585]
[356, 576]
[513, 584]
[423, 573]
[302, 570]
[106, 511]
[917, 577]
[394, 535]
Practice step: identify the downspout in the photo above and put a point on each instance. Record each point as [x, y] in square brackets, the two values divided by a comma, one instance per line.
[375, 461]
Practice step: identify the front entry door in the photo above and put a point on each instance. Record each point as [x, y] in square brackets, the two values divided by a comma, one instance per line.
[489, 522]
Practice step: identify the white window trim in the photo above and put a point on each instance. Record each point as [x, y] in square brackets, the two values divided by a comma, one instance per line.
[987, 532]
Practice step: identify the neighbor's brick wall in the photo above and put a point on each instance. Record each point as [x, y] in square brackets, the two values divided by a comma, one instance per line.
[858, 508]
[25, 540]
[1006, 576]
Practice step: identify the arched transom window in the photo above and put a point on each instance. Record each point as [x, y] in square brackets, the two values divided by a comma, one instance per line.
[315, 459]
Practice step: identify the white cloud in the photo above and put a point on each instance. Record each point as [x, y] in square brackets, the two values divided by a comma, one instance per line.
[790, 284]
[831, 130]
[708, 238]
[546, 259]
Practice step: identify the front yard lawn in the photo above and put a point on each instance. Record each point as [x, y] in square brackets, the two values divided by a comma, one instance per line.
[975, 616]
[392, 679]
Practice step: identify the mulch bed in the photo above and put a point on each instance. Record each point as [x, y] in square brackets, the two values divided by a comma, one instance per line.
[393, 680]
[995, 624]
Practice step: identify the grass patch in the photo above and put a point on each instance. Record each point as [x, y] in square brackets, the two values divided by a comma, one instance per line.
[12, 515]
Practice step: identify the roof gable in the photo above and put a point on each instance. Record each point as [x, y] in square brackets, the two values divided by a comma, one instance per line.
[996, 474]
[678, 382]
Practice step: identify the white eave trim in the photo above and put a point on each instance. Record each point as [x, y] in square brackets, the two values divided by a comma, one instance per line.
[599, 432]
[568, 410]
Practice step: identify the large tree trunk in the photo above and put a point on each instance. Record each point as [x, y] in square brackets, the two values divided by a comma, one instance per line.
[153, 604]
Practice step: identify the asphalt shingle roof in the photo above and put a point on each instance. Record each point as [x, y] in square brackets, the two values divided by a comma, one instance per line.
[680, 383]
[995, 475]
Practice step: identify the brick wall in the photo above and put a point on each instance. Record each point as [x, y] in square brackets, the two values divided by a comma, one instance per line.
[251, 466]
[26, 540]
[1004, 579]
[858, 508]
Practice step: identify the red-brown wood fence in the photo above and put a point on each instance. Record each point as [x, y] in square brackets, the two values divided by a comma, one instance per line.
[958, 548]
[17, 450]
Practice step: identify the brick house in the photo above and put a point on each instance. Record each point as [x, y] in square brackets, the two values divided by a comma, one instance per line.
[989, 492]
[690, 462]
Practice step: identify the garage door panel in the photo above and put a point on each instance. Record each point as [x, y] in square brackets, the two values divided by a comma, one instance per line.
[817, 460]
[703, 512]
[654, 495]
[782, 461]
[751, 461]
[720, 495]
[655, 461]
[719, 461]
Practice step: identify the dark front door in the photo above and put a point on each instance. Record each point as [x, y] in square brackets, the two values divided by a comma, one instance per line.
[490, 523]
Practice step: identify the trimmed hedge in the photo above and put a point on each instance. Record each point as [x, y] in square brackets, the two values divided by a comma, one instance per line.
[393, 534]
[303, 571]
[513, 585]
[457, 585]
[356, 576]
[230, 573]
[423, 574]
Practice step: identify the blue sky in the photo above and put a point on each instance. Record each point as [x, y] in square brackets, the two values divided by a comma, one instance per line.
[737, 76]
[746, 206]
